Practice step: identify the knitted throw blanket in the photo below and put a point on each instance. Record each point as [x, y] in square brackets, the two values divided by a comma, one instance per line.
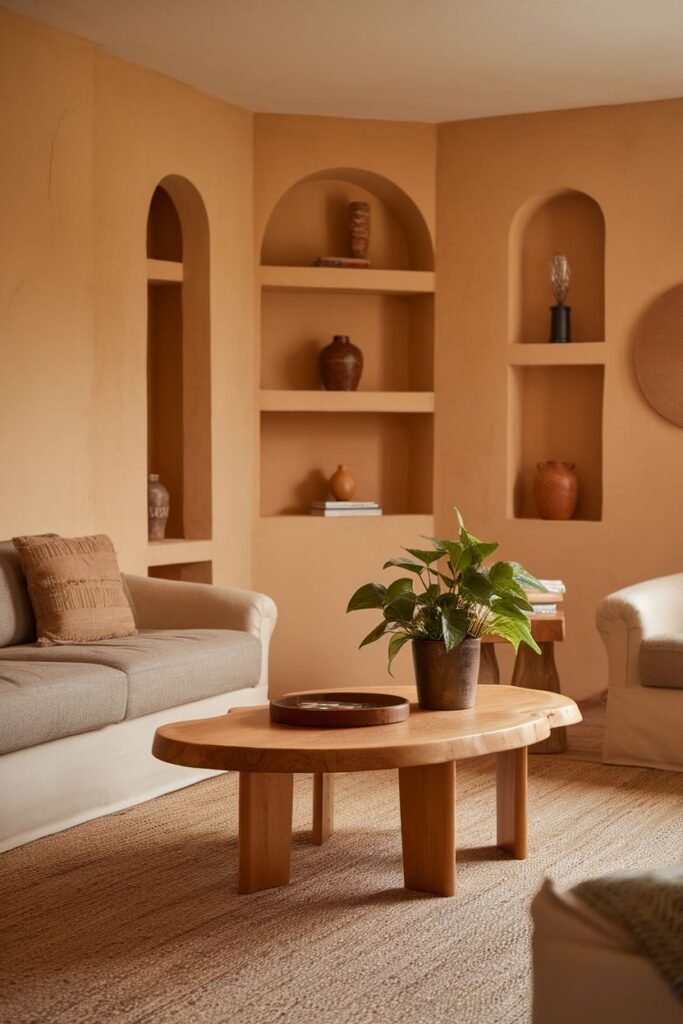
[648, 905]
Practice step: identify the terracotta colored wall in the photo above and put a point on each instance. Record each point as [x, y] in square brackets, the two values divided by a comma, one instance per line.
[629, 159]
[88, 138]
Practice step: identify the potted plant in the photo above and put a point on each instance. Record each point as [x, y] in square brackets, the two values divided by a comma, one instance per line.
[459, 600]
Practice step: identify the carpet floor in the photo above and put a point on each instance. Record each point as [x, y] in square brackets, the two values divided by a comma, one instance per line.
[134, 917]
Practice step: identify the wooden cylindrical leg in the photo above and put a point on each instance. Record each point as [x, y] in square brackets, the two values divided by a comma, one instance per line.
[539, 672]
[428, 827]
[265, 830]
[489, 671]
[323, 807]
[511, 801]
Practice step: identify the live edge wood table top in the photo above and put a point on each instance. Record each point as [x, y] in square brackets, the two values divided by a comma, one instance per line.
[424, 749]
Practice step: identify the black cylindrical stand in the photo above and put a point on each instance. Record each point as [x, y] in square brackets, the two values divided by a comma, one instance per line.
[560, 324]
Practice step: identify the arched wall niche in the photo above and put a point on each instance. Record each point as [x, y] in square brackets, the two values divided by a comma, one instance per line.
[179, 357]
[568, 221]
[311, 219]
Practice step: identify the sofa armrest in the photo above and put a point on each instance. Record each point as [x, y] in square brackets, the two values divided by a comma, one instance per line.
[627, 616]
[169, 604]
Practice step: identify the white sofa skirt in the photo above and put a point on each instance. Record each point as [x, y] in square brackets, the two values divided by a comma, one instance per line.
[644, 727]
[55, 785]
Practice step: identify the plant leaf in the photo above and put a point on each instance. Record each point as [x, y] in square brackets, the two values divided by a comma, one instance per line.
[515, 631]
[395, 644]
[454, 622]
[476, 587]
[524, 578]
[402, 609]
[424, 556]
[401, 586]
[404, 563]
[375, 634]
[372, 595]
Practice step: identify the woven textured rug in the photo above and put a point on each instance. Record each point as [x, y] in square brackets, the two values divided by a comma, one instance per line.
[134, 918]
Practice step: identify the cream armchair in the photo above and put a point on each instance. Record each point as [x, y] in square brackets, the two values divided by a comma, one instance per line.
[642, 628]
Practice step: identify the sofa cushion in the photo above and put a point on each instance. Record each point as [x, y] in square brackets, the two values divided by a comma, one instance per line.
[661, 661]
[164, 667]
[75, 588]
[45, 702]
[17, 622]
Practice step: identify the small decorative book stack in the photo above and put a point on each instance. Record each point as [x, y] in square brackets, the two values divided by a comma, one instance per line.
[545, 602]
[345, 508]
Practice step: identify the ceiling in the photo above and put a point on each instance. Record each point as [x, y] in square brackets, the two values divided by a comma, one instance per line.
[414, 60]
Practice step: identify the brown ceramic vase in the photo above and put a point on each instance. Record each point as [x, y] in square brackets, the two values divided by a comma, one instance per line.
[341, 364]
[446, 680]
[158, 508]
[342, 484]
[556, 489]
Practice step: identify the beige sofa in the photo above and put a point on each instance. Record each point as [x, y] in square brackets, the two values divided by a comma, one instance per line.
[77, 721]
[642, 627]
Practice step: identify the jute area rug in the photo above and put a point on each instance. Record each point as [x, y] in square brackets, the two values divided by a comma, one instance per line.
[135, 918]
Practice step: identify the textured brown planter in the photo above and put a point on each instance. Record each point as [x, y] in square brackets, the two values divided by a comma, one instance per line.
[341, 364]
[556, 489]
[446, 680]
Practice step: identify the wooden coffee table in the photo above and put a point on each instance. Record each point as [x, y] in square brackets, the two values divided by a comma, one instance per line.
[424, 749]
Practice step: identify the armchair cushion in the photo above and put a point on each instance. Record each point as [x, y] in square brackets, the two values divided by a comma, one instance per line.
[661, 661]
[163, 668]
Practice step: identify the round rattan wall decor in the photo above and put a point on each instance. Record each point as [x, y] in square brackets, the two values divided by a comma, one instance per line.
[659, 355]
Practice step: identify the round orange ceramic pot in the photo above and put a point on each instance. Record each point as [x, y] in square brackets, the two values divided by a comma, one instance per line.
[343, 484]
[556, 489]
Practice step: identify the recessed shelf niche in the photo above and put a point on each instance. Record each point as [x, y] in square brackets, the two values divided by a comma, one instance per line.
[564, 221]
[178, 359]
[555, 413]
[186, 572]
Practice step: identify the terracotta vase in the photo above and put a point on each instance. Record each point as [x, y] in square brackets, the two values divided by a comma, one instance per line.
[556, 489]
[446, 680]
[359, 229]
[341, 364]
[342, 484]
[158, 507]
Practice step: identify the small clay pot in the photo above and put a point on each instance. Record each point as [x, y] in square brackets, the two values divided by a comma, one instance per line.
[341, 364]
[342, 484]
[446, 680]
[359, 229]
[556, 489]
[158, 508]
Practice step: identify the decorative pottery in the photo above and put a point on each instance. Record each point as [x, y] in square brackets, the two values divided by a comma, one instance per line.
[342, 484]
[556, 489]
[359, 229]
[446, 680]
[341, 364]
[158, 507]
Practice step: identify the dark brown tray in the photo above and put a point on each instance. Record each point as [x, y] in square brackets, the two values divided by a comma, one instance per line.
[357, 709]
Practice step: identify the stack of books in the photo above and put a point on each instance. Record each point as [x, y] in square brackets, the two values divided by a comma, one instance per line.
[545, 602]
[345, 508]
[340, 261]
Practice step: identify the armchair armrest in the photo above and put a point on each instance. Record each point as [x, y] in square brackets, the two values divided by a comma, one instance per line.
[627, 616]
[168, 604]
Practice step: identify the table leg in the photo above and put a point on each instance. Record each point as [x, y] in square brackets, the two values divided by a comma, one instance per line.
[511, 801]
[538, 672]
[323, 807]
[489, 672]
[427, 795]
[265, 830]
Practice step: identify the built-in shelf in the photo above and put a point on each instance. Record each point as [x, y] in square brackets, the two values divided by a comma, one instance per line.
[177, 551]
[398, 282]
[347, 401]
[548, 354]
[164, 271]
[415, 523]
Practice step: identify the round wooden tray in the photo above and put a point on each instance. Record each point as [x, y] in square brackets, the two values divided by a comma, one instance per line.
[339, 709]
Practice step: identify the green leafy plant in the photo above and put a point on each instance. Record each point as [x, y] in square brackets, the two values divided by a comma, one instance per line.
[459, 596]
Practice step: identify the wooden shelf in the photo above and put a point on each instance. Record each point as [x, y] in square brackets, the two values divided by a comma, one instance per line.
[399, 282]
[164, 272]
[420, 523]
[549, 354]
[347, 401]
[177, 551]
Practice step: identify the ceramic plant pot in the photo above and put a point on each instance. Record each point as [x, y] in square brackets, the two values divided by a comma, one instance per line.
[359, 229]
[342, 484]
[446, 680]
[341, 364]
[158, 508]
[556, 489]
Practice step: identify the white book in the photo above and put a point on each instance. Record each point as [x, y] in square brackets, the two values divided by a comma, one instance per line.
[346, 512]
[344, 504]
[544, 609]
[554, 586]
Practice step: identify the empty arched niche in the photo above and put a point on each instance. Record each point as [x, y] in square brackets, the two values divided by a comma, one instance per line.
[179, 355]
[312, 219]
[565, 221]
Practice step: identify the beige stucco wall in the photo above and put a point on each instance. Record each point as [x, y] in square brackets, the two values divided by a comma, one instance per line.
[85, 140]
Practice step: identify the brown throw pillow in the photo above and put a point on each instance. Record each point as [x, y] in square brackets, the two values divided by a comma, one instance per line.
[75, 588]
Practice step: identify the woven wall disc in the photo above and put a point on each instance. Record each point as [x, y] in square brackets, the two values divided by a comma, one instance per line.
[659, 355]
